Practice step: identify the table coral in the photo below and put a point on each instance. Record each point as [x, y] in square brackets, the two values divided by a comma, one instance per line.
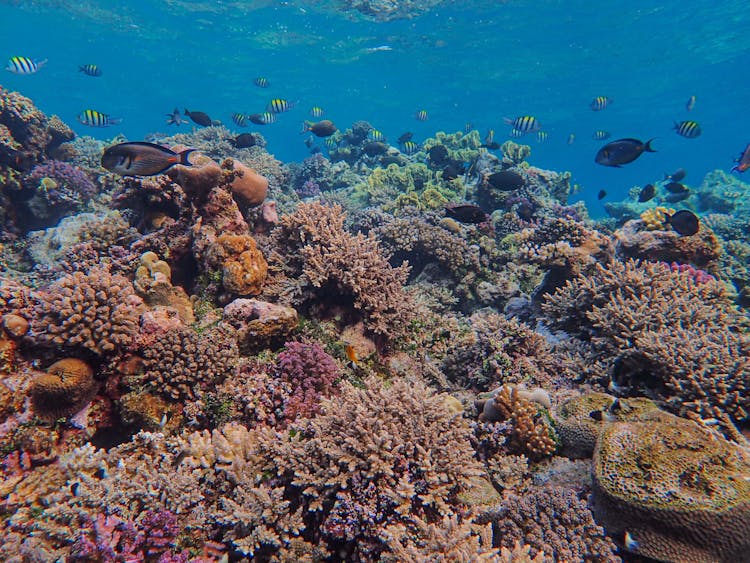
[97, 311]
[63, 390]
[661, 334]
[679, 491]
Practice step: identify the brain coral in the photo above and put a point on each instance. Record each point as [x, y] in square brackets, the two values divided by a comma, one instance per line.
[680, 491]
[97, 311]
[63, 390]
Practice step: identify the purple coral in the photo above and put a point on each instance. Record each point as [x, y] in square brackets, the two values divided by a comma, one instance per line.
[71, 183]
[308, 189]
[699, 276]
[312, 375]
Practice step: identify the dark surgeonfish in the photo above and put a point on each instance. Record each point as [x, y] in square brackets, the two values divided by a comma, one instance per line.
[684, 222]
[677, 176]
[142, 159]
[622, 152]
[244, 141]
[647, 193]
[199, 117]
[676, 188]
[466, 213]
[601, 195]
[324, 128]
[506, 181]
[743, 161]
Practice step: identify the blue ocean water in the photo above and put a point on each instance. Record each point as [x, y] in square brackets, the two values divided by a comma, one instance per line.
[462, 62]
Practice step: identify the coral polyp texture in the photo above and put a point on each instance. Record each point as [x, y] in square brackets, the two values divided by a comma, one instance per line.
[96, 311]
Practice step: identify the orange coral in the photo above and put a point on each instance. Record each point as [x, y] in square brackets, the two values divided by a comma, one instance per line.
[243, 267]
[64, 390]
[15, 325]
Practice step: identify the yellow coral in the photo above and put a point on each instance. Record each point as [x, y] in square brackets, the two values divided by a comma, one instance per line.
[654, 218]
[244, 268]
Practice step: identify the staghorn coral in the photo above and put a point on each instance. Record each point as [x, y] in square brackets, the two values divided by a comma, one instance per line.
[659, 332]
[182, 364]
[531, 432]
[324, 258]
[311, 375]
[66, 387]
[498, 350]
[554, 521]
[680, 491]
[354, 470]
[97, 311]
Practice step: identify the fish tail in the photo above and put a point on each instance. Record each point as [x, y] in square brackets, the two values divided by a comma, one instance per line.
[184, 157]
[647, 146]
[40, 64]
[114, 120]
[187, 112]
[305, 127]
[508, 120]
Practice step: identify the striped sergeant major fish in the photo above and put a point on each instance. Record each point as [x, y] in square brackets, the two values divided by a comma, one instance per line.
[279, 105]
[94, 118]
[524, 124]
[24, 65]
[600, 102]
[90, 70]
[688, 129]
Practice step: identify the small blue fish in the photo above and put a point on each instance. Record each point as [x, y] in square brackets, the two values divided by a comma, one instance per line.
[421, 115]
[601, 135]
[690, 103]
[24, 65]
[261, 82]
[542, 136]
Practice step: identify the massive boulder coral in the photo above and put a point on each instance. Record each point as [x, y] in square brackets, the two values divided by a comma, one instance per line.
[320, 259]
[661, 333]
[63, 390]
[97, 311]
[679, 491]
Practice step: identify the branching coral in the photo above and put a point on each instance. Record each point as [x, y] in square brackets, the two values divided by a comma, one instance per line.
[311, 375]
[325, 258]
[97, 311]
[661, 332]
[182, 364]
[554, 521]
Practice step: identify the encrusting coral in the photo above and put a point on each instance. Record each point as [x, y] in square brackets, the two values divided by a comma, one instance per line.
[97, 311]
[678, 490]
[322, 257]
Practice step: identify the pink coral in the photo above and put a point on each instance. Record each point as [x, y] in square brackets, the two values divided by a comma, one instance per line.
[311, 373]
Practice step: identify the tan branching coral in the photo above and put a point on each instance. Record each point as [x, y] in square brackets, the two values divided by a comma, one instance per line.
[316, 249]
[182, 364]
[97, 311]
[63, 390]
[533, 434]
[661, 332]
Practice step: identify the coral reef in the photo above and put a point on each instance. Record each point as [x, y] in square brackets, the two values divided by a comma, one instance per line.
[320, 255]
[243, 267]
[63, 390]
[256, 324]
[661, 334]
[97, 311]
[678, 490]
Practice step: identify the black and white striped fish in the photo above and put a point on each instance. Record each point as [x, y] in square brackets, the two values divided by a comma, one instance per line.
[688, 129]
[524, 124]
[90, 70]
[24, 65]
[94, 118]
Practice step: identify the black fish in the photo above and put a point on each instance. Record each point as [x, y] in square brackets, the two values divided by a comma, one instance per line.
[674, 198]
[622, 152]
[678, 175]
[453, 171]
[743, 161]
[684, 222]
[602, 194]
[493, 146]
[676, 188]
[244, 141]
[466, 213]
[142, 159]
[506, 180]
[438, 155]
[647, 193]
[375, 148]
[199, 117]
[405, 137]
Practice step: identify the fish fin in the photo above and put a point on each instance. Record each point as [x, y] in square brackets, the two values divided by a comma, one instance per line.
[508, 120]
[184, 157]
[187, 112]
[647, 146]
[40, 64]
[115, 120]
[305, 127]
